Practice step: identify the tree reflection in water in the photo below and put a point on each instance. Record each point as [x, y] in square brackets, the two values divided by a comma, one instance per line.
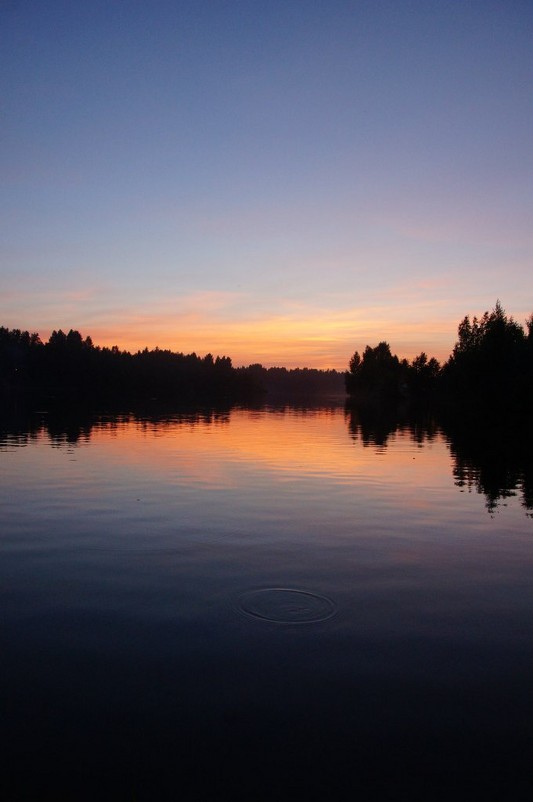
[492, 455]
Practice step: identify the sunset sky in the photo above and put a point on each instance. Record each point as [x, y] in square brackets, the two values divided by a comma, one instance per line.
[280, 182]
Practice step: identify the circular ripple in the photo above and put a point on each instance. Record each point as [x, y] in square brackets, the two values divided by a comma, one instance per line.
[286, 606]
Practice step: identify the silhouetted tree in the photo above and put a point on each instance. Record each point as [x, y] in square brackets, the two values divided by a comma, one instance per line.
[422, 374]
[376, 373]
[69, 366]
[19, 357]
[491, 366]
[491, 361]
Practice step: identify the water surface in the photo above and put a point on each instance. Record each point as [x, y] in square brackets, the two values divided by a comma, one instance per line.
[265, 603]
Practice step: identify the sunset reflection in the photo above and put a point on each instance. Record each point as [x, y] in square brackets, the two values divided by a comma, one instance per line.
[220, 451]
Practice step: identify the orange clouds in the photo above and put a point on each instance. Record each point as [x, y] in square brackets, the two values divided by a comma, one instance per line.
[257, 328]
[293, 336]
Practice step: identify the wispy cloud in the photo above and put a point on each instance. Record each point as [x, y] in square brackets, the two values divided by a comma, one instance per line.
[295, 334]
[412, 315]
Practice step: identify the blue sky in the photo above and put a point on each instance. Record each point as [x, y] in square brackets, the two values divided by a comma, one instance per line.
[280, 182]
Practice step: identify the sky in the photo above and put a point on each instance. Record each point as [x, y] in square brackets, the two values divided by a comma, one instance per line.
[278, 182]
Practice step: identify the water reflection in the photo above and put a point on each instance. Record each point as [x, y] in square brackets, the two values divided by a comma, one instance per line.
[494, 458]
[373, 426]
[299, 599]
[490, 457]
[70, 426]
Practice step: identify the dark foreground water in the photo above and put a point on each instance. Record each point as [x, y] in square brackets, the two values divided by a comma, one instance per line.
[264, 604]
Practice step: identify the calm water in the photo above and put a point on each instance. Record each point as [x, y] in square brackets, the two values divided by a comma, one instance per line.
[264, 603]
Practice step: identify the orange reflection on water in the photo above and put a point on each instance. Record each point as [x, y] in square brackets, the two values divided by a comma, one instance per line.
[293, 444]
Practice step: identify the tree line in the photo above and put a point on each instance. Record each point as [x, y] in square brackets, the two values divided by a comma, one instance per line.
[70, 366]
[491, 364]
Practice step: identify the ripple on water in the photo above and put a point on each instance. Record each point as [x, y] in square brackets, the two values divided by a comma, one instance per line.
[286, 606]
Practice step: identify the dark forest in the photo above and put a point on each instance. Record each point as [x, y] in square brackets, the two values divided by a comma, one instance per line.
[491, 365]
[69, 367]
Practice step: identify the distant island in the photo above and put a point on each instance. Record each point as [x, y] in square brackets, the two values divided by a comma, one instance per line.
[491, 364]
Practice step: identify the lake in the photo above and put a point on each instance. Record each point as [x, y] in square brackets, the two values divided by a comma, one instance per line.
[265, 603]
